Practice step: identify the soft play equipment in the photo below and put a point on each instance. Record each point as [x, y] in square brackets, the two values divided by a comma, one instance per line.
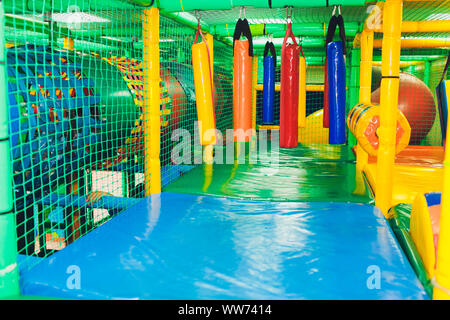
[335, 21]
[39, 152]
[97, 204]
[443, 98]
[364, 121]
[416, 102]
[203, 90]
[424, 228]
[203, 247]
[270, 63]
[242, 80]
[336, 92]
[289, 91]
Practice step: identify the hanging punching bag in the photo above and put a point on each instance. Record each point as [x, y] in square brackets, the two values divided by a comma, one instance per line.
[334, 22]
[201, 65]
[242, 81]
[269, 82]
[336, 91]
[289, 91]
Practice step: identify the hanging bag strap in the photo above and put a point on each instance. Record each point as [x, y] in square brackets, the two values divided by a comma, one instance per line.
[336, 21]
[243, 28]
[199, 32]
[270, 47]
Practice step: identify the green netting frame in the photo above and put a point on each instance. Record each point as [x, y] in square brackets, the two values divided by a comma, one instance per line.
[76, 115]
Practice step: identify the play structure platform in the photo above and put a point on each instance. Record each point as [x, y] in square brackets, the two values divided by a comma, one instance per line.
[212, 245]
[178, 246]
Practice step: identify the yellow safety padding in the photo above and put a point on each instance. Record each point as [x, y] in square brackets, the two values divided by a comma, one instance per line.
[422, 233]
[442, 289]
[203, 94]
[407, 181]
[364, 122]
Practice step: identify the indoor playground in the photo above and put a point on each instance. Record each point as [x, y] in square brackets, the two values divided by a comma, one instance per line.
[224, 150]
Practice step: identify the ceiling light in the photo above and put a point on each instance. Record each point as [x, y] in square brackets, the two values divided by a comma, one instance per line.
[77, 17]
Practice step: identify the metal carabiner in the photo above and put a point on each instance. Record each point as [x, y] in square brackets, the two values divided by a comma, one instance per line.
[334, 10]
[240, 13]
[289, 13]
[197, 15]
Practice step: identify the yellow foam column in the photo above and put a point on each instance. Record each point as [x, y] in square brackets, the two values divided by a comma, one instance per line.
[390, 70]
[365, 87]
[441, 289]
[151, 112]
[417, 43]
[422, 26]
[302, 92]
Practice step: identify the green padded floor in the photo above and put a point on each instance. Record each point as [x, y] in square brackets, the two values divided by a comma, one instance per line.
[311, 173]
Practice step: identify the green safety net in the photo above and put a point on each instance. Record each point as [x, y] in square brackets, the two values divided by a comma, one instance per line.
[75, 95]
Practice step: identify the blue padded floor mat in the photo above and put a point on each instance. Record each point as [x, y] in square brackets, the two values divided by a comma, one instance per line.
[179, 246]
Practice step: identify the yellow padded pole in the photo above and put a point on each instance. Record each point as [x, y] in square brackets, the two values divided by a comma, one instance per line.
[421, 26]
[390, 70]
[365, 87]
[302, 92]
[442, 274]
[151, 112]
[365, 73]
[417, 43]
[309, 87]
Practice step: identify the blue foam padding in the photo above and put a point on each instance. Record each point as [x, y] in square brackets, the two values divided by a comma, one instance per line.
[336, 92]
[268, 90]
[433, 198]
[179, 246]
